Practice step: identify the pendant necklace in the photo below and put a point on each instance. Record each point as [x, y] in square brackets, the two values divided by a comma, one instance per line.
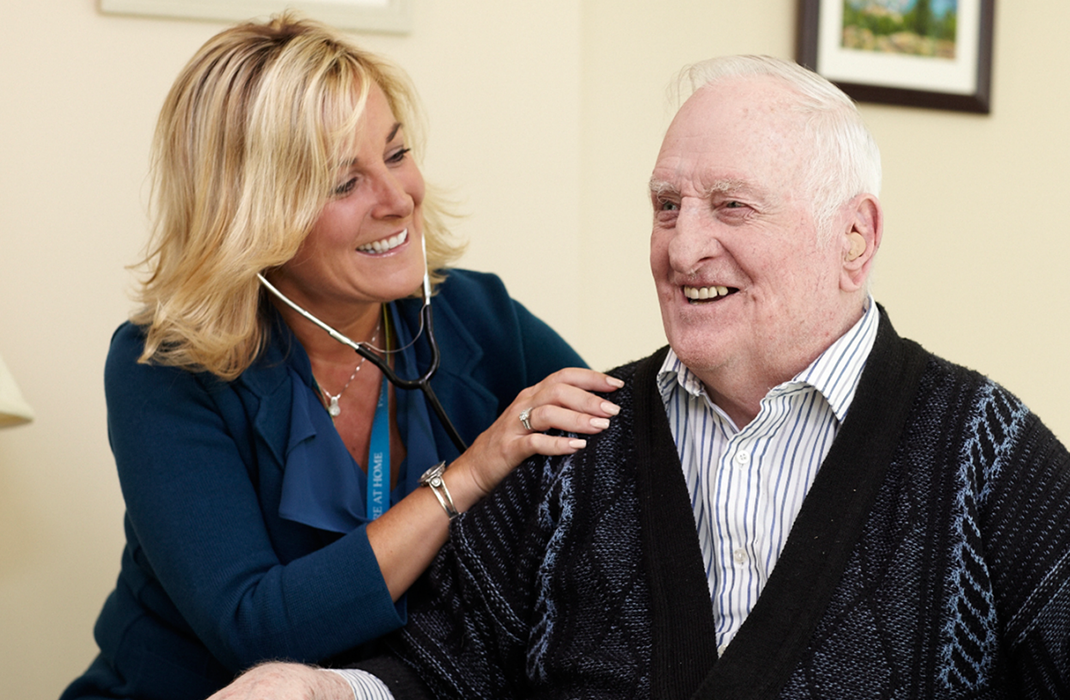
[332, 401]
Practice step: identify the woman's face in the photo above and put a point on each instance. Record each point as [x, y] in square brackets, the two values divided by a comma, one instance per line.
[365, 248]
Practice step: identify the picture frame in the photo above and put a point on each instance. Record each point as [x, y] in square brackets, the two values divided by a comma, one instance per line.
[946, 66]
[384, 16]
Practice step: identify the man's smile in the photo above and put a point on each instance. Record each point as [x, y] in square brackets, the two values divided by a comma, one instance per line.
[712, 293]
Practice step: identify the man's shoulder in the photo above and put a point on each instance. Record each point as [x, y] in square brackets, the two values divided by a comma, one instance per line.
[541, 477]
[641, 369]
[977, 391]
[892, 352]
[989, 419]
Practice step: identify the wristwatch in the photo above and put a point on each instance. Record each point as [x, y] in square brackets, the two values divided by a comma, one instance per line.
[432, 478]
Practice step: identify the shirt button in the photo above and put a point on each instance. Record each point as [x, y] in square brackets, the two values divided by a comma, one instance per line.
[742, 458]
[740, 555]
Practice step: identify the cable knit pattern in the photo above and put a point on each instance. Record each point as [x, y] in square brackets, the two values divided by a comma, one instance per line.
[930, 560]
[970, 652]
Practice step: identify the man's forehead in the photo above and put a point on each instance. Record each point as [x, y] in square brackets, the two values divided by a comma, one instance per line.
[747, 107]
[739, 136]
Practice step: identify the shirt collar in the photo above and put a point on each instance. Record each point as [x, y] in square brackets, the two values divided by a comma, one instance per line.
[835, 373]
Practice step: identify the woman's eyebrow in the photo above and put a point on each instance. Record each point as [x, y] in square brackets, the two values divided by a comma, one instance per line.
[350, 162]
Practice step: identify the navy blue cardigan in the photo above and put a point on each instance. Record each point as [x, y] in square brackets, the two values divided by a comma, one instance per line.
[213, 579]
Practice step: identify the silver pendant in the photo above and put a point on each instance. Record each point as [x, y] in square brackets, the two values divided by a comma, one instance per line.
[334, 409]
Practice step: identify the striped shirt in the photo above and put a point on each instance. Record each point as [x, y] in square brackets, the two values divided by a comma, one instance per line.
[364, 685]
[748, 485]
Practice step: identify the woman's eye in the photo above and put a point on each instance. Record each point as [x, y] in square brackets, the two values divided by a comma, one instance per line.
[398, 155]
[346, 187]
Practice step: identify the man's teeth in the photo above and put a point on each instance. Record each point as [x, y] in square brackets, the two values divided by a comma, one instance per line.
[385, 244]
[697, 293]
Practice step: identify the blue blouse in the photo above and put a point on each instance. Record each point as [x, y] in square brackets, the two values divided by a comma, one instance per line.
[214, 578]
[335, 499]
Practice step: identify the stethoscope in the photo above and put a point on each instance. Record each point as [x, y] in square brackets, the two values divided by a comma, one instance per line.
[422, 383]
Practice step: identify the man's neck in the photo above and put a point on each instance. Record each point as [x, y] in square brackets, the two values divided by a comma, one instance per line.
[738, 390]
[740, 398]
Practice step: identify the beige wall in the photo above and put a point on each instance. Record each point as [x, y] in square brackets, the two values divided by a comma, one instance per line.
[545, 120]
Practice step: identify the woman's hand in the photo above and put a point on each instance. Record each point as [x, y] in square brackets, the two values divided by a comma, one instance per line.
[562, 402]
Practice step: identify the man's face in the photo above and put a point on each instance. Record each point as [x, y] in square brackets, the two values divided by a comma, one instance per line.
[746, 290]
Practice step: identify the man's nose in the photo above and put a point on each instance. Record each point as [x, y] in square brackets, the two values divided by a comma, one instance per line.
[695, 239]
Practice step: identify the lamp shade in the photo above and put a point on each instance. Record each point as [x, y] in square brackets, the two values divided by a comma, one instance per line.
[13, 408]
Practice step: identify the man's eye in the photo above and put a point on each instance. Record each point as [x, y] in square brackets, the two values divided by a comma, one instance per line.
[733, 205]
[668, 205]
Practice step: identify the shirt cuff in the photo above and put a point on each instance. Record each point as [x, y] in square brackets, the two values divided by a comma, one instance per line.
[365, 686]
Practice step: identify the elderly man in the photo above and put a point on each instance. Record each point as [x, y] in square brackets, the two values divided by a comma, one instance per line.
[794, 502]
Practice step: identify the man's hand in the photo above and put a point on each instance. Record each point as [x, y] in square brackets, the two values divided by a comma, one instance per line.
[286, 681]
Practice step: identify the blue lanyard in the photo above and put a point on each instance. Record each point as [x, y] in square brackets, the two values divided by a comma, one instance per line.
[379, 456]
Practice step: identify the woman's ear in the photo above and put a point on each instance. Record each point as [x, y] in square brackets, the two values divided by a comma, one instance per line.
[862, 239]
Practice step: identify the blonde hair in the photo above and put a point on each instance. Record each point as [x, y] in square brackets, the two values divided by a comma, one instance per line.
[246, 152]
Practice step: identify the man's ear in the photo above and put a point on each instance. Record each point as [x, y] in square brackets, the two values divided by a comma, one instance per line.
[862, 237]
[858, 245]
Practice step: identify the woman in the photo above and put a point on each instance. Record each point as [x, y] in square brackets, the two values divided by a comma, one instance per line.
[242, 431]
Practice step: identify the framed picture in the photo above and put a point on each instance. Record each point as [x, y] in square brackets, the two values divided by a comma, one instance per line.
[392, 16]
[922, 53]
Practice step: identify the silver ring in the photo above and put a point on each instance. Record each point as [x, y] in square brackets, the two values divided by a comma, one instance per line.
[524, 416]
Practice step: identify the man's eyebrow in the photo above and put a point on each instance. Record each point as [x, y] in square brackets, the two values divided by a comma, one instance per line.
[724, 185]
[720, 186]
[662, 187]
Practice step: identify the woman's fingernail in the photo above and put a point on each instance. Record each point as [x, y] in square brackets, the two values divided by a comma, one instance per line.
[615, 382]
[600, 422]
[610, 408]
[578, 444]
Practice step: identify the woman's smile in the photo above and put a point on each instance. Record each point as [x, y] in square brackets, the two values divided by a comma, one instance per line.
[385, 245]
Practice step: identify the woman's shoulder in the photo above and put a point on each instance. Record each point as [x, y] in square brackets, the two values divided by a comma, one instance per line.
[124, 371]
[466, 284]
[124, 366]
[127, 344]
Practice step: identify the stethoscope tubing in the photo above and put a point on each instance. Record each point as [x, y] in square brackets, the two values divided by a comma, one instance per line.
[423, 383]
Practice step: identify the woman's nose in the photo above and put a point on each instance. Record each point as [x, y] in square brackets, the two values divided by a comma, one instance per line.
[392, 197]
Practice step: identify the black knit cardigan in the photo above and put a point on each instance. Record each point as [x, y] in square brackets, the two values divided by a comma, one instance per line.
[931, 559]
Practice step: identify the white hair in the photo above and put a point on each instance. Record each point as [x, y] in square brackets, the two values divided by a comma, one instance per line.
[845, 160]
